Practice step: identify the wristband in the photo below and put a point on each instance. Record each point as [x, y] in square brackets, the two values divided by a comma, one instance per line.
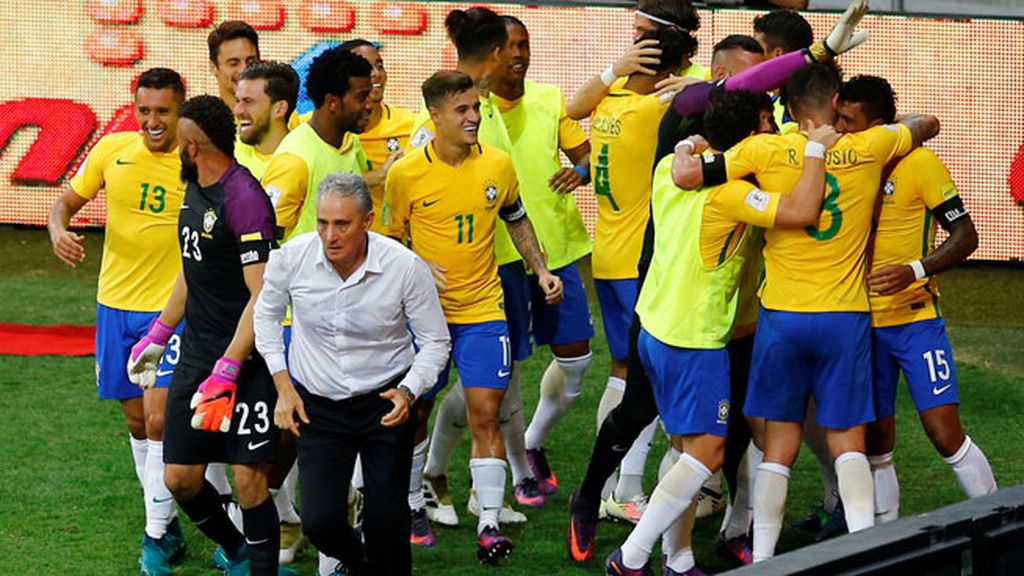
[681, 143]
[918, 269]
[227, 369]
[814, 150]
[583, 172]
[608, 77]
[159, 332]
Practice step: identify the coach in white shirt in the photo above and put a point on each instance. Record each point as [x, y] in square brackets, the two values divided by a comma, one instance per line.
[355, 296]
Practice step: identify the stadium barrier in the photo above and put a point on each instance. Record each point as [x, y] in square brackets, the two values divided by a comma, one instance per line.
[983, 537]
[70, 65]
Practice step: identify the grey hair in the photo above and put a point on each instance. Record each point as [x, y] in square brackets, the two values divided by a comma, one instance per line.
[344, 184]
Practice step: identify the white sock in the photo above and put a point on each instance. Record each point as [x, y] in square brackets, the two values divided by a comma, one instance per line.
[672, 496]
[630, 485]
[560, 386]
[676, 542]
[326, 565]
[972, 470]
[419, 456]
[139, 447]
[284, 500]
[770, 488]
[887, 488]
[856, 489]
[449, 426]
[668, 461]
[513, 426]
[741, 512]
[217, 474]
[159, 501]
[489, 484]
[357, 474]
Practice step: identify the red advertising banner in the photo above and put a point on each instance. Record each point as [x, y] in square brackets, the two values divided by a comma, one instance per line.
[69, 66]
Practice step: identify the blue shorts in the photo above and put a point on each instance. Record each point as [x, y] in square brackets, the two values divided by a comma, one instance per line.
[800, 354]
[165, 371]
[921, 351]
[617, 299]
[691, 386]
[482, 355]
[563, 323]
[116, 332]
[516, 286]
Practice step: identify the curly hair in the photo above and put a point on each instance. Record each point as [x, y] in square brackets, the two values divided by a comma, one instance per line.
[214, 118]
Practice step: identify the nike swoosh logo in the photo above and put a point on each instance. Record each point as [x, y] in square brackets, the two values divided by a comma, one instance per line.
[256, 542]
[431, 203]
[503, 373]
[162, 500]
[937, 391]
[258, 444]
[120, 162]
[161, 373]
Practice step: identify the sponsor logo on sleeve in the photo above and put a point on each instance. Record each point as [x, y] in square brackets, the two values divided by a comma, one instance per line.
[757, 200]
[250, 256]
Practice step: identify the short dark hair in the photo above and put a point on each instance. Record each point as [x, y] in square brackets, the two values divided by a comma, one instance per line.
[351, 45]
[874, 94]
[785, 29]
[282, 81]
[231, 30]
[809, 88]
[330, 71]
[475, 32]
[214, 118]
[511, 20]
[675, 45]
[732, 116]
[442, 85]
[738, 42]
[159, 78]
[679, 12]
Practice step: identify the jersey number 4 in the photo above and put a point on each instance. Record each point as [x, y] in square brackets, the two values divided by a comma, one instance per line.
[830, 205]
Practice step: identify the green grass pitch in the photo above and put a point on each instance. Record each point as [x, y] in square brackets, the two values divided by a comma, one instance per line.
[70, 503]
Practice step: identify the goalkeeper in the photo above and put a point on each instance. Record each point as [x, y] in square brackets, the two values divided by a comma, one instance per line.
[221, 401]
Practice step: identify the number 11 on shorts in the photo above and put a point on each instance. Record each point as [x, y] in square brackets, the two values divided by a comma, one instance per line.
[506, 353]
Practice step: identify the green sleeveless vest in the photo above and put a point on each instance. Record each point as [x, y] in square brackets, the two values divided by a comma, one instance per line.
[321, 159]
[555, 217]
[683, 303]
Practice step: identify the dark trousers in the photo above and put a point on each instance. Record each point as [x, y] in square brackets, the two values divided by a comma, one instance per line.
[338, 430]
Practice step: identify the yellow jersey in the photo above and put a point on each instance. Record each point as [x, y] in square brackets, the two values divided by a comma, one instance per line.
[143, 193]
[623, 142]
[389, 136]
[820, 268]
[917, 185]
[452, 212]
[247, 155]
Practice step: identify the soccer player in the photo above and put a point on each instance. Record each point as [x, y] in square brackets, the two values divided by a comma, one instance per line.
[622, 152]
[480, 39]
[908, 332]
[339, 86]
[265, 100]
[234, 46]
[706, 262]
[534, 115]
[389, 128]
[140, 172]
[813, 333]
[221, 400]
[649, 15]
[451, 194]
[781, 32]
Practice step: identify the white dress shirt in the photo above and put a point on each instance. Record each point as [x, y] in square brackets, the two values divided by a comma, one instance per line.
[352, 336]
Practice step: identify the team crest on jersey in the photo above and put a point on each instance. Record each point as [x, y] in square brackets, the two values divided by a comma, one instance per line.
[723, 411]
[209, 220]
[392, 145]
[889, 189]
[490, 191]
